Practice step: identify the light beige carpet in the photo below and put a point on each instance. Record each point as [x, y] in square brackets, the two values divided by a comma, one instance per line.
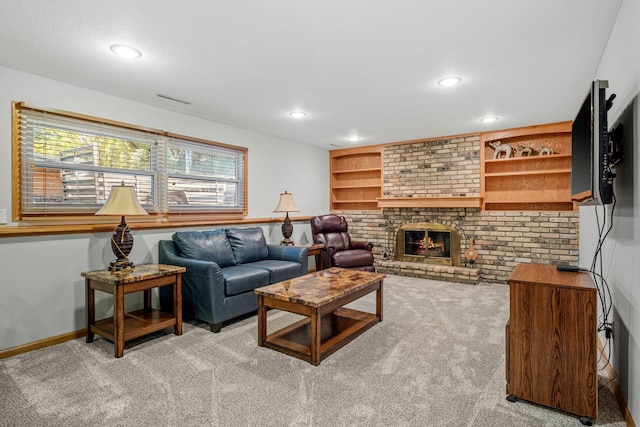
[437, 359]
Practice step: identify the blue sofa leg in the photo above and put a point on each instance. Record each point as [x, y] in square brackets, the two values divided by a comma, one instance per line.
[215, 327]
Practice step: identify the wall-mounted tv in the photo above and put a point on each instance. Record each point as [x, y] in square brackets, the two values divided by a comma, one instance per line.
[591, 177]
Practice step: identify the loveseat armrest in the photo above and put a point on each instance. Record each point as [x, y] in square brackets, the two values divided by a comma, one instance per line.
[203, 285]
[356, 244]
[299, 254]
[169, 255]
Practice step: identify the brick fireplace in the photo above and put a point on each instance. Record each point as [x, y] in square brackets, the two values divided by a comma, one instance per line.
[451, 168]
[429, 243]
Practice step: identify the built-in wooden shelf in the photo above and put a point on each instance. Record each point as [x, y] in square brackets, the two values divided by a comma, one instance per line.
[356, 201]
[358, 170]
[341, 187]
[536, 182]
[430, 202]
[527, 158]
[356, 178]
[517, 173]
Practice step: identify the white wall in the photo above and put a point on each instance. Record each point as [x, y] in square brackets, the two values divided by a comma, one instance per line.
[620, 65]
[41, 290]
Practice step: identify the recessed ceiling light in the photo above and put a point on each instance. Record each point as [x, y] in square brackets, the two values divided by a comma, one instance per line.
[125, 51]
[354, 138]
[298, 114]
[449, 81]
[489, 119]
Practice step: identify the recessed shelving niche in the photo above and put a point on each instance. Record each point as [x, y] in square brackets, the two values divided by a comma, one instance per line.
[535, 182]
[356, 178]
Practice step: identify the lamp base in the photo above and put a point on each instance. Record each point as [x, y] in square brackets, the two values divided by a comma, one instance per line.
[287, 242]
[121, 265]
[287, 231]
[121, 245]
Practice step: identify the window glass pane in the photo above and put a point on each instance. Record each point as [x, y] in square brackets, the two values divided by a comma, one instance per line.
[68, 164]
[204, 177]
[199, 162]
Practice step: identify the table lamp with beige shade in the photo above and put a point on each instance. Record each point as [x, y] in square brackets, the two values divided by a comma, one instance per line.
[122, 201]
[285, 204]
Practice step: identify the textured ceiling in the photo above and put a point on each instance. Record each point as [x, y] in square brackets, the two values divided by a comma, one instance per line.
[367, 67]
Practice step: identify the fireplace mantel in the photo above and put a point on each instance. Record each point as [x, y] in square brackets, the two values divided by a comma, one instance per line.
[430, 202]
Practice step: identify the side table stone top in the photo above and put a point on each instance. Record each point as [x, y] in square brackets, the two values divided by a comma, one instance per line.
[139, 272]
[311, 246]
[321, 287]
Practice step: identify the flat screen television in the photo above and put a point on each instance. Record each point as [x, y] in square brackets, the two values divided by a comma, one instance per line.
[591, 177]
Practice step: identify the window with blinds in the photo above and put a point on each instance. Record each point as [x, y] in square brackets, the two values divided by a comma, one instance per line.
[68, 163]
[203, 176]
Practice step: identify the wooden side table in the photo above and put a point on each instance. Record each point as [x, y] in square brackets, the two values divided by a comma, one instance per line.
[127, 326]
[316, 250]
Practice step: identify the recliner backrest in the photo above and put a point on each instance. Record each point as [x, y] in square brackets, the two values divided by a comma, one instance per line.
[331, 230]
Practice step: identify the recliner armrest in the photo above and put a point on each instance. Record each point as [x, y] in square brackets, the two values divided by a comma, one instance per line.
[361, 245]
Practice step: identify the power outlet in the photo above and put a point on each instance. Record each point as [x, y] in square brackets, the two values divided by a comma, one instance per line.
[3, 216]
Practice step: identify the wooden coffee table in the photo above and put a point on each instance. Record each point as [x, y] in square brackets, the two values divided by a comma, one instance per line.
[319, 296]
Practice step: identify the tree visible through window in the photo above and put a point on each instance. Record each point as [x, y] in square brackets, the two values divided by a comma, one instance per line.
[68, 165]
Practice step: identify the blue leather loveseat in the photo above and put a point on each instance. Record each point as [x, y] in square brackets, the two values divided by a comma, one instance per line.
[224, 266]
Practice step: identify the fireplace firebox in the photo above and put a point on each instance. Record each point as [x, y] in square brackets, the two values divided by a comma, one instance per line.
[430, 243]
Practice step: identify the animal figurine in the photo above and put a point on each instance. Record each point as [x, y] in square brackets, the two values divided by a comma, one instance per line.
[525, 151]
[499, 147]
[545, 151]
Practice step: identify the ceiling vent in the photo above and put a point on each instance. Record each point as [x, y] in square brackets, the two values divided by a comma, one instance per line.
[171, 98]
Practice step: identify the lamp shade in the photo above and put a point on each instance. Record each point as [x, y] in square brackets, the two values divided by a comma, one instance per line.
[285, 204]
[122, 201]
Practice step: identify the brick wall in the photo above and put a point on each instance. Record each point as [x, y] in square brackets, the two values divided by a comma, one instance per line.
[503, 239]
[451, 167]
[433, 168]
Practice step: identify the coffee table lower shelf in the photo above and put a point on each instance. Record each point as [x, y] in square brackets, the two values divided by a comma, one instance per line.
[337, 329]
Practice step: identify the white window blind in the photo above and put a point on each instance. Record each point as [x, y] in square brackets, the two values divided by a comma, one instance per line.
[204, 177]
[68, 164]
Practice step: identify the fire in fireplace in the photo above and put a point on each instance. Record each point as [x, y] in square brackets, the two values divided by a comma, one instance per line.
[429, 243]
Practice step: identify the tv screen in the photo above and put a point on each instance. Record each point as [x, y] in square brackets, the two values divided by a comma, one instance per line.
[591, 180]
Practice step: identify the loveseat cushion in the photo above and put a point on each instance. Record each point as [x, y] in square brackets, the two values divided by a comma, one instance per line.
[248, 244]
[206, 246]
[240, 279]
[278, 270]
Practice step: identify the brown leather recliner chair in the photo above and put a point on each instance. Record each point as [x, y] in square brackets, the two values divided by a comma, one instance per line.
[332, 231]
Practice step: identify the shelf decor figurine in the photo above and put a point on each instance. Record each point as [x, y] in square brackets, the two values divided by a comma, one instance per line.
[499, 148]
[285, 204]
[122, 201]
[525, 151]
[545, 151]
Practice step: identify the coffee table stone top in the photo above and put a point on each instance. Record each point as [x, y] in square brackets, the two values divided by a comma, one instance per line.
[321, 287]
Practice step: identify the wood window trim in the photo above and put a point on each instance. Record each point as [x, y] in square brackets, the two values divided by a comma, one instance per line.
[162, 219]
[43, 230]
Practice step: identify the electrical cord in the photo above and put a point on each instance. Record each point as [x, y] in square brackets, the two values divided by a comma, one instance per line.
[604, 291]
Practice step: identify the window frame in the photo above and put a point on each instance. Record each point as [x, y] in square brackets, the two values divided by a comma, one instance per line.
[159, 208]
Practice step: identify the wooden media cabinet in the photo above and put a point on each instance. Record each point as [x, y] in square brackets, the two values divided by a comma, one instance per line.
[551, 350]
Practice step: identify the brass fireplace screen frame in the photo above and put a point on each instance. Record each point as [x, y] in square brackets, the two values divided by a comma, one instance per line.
[454, 244]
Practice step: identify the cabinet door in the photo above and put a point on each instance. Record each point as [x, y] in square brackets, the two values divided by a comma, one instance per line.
[553, 355]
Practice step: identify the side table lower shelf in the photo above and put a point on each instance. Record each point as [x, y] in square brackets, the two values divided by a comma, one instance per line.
[136, 324]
